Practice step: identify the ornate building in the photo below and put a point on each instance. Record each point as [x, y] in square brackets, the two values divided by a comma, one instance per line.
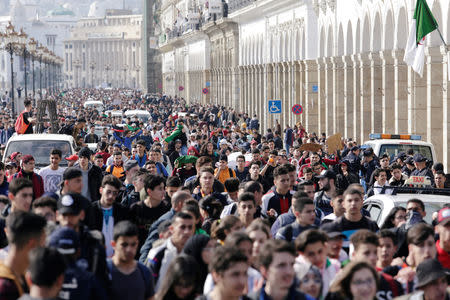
[342, 60]
[104, 51]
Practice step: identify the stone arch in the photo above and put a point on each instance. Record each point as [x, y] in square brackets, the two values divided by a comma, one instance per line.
[365, 46]
[340, 48]
[349, 39]
[402, 29]
[435, 39]
[357, 37]
[321, 42]
[376, 37]
[388, 30]
[330, 41]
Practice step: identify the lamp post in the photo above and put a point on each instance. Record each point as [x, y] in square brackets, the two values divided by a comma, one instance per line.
[77, 64]
[124, 68]
[92, 67]
[40, 53]
[33, 46]
[8, 43]
[22, 50]
[138, 69]
[107, 68]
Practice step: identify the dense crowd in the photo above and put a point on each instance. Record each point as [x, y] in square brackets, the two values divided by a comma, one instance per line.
[196, 202]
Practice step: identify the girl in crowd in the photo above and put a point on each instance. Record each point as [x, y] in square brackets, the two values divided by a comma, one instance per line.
[221, 228]
[259, 232]
[395, 218]
[311, 282]
[357, 281]
[210, 210]
[181, 280]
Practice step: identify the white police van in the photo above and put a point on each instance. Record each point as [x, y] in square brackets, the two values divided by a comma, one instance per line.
[393, 144]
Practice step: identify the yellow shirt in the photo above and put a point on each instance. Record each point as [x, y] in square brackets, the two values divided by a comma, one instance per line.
[117, 171]
[224, 174]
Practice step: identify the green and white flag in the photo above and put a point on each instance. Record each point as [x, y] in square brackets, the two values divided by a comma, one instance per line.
[422, 24]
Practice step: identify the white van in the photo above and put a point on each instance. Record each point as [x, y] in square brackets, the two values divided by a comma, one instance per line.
[393, 144]
[142, 115]
[40, 145]
[98, 105]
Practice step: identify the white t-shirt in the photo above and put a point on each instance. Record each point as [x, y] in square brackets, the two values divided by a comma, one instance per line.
[51, 178]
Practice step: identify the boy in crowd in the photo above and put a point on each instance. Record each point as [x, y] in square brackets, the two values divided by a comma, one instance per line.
[276, 260]
[52, 175]
[312, 246]
[46, 282]
[386, 251]
[246, 208]
[25, 232]
[365, 248]
[129, 278]
[303, 208]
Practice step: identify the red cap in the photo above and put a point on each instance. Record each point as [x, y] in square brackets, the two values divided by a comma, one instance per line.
[444, 215]
[14, 154]
[73, 157]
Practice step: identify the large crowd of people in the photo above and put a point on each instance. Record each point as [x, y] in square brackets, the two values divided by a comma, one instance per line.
[196, 202]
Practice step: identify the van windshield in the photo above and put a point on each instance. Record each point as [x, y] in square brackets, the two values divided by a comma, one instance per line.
[394, 149]
[40, 149]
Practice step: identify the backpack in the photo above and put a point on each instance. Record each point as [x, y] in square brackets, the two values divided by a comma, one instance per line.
[20, 125]
[288, 233]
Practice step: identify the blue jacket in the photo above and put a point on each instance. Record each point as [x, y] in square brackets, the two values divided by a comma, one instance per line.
[4, 187]
[126, 141]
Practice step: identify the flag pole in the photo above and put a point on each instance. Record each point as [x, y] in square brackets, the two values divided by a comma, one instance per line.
[440, 34]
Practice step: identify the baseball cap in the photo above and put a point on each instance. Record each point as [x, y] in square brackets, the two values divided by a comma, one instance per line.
[409, 161]
[327, 174]
[71, 173]
[73, 157]
[354, 148]
[430, 270]
[70, 203]
[444, 216]
[65, 240]
[368, 152]
[11, 164]
[419, 158]
[14, 154]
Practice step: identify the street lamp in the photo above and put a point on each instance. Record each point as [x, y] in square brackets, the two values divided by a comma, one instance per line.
[124, 68]
[32, 45]
[92, 67]
[40, 55]
[138, 69]
[77, 64]
[107, 68]
[9, 42]
[22, 50]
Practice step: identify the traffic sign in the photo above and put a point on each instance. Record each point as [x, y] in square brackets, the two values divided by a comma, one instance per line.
[275, 106]
[297, 109]
[181, 88]
[208, 84]
[205, 91]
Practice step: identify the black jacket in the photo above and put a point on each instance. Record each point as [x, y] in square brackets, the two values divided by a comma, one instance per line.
[120, 213]
[95, 175]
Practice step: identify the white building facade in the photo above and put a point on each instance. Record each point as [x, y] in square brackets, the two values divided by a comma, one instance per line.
[104, 51]
[342, 60]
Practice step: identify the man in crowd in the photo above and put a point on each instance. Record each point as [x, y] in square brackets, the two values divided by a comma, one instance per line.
[52, 175]
[91, 175]
[27, 171]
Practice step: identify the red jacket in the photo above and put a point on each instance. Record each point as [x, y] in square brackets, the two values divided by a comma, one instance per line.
[38, 183]
[443, 256]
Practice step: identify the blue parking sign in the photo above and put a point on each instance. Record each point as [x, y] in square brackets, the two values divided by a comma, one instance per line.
[275, 106]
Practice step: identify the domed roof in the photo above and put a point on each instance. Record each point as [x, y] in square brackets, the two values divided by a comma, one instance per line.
[60, 11]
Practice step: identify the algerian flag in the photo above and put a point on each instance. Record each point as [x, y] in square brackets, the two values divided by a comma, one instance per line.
[422, 24]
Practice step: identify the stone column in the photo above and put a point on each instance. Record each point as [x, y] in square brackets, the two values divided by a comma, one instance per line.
[417, 105]
[241, 88]
[400, 92]
[375, 92]
[321, 84]
[235, 87]
[261, 99]
[338, 95]
[328, 95]
[297, 89]
[388, 92]
[311, 98]
[365, 92]
[434, 61]
[348, 97]
[446, 113]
